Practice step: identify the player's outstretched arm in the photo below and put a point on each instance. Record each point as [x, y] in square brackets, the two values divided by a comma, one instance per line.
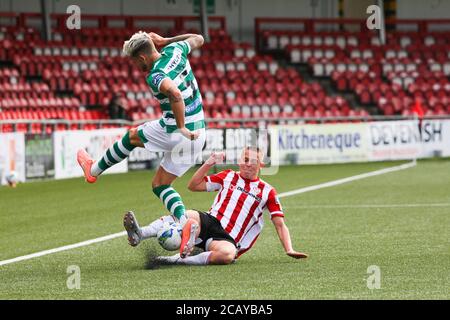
[195, 40]
[197, 182]
[285, 238]
[169, 89]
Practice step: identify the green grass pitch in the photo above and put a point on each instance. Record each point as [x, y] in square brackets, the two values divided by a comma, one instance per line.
[398, 221]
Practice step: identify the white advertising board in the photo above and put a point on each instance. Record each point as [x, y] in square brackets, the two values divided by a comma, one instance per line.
[95, 142]
[12, 155]
[321, 143]
[435, 138]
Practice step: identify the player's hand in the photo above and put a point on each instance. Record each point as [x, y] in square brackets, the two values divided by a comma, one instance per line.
[216, 158]
[189, 134]
[297, 255]
[157, 39]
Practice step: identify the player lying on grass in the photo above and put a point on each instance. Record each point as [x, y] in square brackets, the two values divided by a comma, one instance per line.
[180, 133]
[235, 219]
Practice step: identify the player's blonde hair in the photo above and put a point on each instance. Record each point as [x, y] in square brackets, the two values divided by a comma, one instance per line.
[140, 41]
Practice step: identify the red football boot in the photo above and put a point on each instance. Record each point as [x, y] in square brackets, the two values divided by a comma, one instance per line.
[188, 237]
[85, 162]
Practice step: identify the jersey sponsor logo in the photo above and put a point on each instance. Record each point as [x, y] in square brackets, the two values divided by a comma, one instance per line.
[174, 61]
[254, 192]
[157, 78]
[191, 107]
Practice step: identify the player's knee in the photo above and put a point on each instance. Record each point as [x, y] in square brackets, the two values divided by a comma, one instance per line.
[156, 183]
[227, 257]
[192, 214]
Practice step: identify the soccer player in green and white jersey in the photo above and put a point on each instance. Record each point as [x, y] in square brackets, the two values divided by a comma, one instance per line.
[180, 133]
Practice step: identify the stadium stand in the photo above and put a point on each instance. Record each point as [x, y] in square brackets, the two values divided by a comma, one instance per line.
[412, 67]
[74, 76]
[81, 70]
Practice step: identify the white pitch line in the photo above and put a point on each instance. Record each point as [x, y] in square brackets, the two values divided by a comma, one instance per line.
[281, 195]
[64, 248]
[368, 206]
[348, 179]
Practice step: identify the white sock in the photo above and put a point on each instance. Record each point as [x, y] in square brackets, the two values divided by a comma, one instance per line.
[152, 229]
[197, 260]
[116, 153]
[169, 259]
[96, 170]
[200, 259]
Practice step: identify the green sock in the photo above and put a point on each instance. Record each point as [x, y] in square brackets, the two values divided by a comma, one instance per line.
[119, 151]
[171, 200]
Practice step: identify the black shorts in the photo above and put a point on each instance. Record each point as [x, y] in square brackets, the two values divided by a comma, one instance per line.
[210, 228]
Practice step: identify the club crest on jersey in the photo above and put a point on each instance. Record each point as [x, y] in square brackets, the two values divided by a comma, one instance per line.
[256, 190]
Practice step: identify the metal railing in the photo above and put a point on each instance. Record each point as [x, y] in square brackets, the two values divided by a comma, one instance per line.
[262, 122]
[58, 20]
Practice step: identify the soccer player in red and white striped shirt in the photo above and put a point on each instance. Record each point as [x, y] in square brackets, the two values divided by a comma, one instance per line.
[235, 219]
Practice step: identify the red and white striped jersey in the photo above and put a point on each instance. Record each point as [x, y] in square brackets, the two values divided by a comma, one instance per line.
[239, 206]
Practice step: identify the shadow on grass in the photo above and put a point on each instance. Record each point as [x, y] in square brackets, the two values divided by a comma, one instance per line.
[151, 253]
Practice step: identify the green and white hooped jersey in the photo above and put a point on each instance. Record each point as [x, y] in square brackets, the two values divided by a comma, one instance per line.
[174, 64]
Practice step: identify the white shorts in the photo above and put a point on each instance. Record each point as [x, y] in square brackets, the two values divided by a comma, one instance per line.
[180, 153]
